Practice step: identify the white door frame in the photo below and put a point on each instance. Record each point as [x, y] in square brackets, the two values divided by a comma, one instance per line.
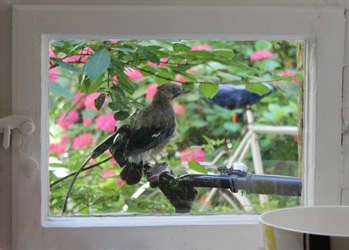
[321, 27]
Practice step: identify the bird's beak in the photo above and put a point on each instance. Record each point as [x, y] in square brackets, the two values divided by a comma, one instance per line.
[184, 91]
[181, 92]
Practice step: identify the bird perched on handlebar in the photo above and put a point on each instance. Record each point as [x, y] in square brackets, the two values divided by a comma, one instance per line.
[153, 129]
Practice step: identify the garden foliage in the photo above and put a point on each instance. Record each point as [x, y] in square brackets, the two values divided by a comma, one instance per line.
[95, 84]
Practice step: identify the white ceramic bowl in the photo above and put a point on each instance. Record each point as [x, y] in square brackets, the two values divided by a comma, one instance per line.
[306, 228]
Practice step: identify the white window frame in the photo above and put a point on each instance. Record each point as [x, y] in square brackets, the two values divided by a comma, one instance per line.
[34, 26]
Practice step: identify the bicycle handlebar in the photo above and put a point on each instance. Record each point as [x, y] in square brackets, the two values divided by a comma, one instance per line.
[181, 190]
[250, 183]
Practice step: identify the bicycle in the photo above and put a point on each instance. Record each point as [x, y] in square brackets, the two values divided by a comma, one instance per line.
[232, 97]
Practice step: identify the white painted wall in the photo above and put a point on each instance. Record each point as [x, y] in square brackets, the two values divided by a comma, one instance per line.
[5, 84]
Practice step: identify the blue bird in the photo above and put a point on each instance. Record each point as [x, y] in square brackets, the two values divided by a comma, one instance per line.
[153, 129]
[233, 96]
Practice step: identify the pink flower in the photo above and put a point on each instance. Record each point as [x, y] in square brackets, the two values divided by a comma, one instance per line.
[112, 160]
[106, 122]
[179, 109]
[90, 101]
[71, 59]
[59, 148]
[180, 78]
[115, 80]
[51, 53]
[287, 73]
[111, 173]
[163, 61]
[201, 47]
[108, 173]
[119, 182]
[71, 118]
[77, 96]
[85, 51]
[82, 140]
[151, 90]
[196, 154]
[261, 55]
[87, 122]
[53, 78]
[134, 74]
[114, 41]
[295, 138]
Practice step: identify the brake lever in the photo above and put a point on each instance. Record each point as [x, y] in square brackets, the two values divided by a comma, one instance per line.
[181, 196]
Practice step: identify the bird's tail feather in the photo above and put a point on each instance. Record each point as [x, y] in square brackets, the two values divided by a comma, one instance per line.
[132, 173]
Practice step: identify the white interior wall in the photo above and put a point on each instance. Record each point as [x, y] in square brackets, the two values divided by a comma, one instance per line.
[6, 100]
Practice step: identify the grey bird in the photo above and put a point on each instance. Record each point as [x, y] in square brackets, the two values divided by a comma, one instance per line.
[153, 129]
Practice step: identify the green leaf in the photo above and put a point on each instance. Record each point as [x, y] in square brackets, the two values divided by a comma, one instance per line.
[118, 67]
[199, 124]
[150, 56]
[194, 165]
[57, 165]
[231, 126]
[138, 105]
[78, 42]
[209, 90]
[97, 64]
[244, 67]
[263, 45]
[289, 87]
[299, 76]
[188, 76]
[228, 53]
[135, 62]
[89, 113]
[51, 103]
[73, 106]
[85, 86]
[99, 101]
[121, 115]
[178, 47]
[256, 79]
[271, 64]
[97, 83]
[118, 90]
[125, 49]
[228, 76]
[175, 163]
[66, 65]
[287, 78]
[213, 79]
[257, 88]
[159, 78]
[275, 77]
[187, 86]
[57, 43]
[126, 84]
[117, 106]
[59, 90]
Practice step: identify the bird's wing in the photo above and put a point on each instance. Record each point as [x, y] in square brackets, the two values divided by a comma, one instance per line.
[146, 138]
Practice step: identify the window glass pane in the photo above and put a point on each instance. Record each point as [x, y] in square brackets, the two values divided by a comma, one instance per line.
[96, 85]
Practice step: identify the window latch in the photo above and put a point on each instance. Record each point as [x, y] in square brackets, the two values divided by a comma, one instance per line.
[25, 125]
